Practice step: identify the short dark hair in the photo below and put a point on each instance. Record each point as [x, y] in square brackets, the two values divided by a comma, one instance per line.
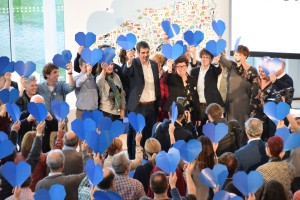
[107, 181]
[229, 159]
[243, 50]
[81, 62]
[181, 59]
[47, 69]
[159, 182]
[204, 51]
[142, 44]
[215, 111]
[275, 145]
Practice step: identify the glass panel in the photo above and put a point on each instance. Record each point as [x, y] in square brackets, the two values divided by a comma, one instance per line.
[4, 29]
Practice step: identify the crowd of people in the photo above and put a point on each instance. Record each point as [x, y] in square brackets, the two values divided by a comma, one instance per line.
[213, 90]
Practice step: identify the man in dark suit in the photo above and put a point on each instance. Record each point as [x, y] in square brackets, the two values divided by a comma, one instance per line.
[73, 159]
[144, 97]
[207, 78]
[253, 154]
[55, 162]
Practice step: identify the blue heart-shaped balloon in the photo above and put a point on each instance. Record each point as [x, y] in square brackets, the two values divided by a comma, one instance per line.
[98, 142]
[168, 161]
[184, 46]
[215, 132]
[96, 115]
[292, 142]
[25, 69]
[108, 55]
[214, 177]
[127, 42]
[224, 195]
[216, 48]
[271, 66]
[16, 174]
[5, 65]
[237, 43]
[61, 60]
[56, 192]
[275, 111]
[247, 183]
[174, 114]
[14, 111]
[60, 109]
[82, 127]
[107, 195]
[91, 57]
[172, 52]
[85, 40]
[136, 121]
[6, 146]
[7, 96]
[193, 39]
[188, 151]
[94, 172]
[38, 111]
[219, 27]
[170, 29]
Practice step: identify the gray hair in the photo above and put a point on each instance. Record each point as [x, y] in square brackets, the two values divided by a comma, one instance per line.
[71, 139]
[30, 79]
[254, 127]
[120, 162]
[55, 159]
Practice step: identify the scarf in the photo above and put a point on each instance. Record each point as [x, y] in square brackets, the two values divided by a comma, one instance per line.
[115, 92]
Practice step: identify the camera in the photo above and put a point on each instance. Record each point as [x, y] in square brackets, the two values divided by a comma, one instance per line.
[184, 103]
[286, 93]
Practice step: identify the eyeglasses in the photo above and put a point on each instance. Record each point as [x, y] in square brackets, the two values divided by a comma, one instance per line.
[205, 57]
[181, 66]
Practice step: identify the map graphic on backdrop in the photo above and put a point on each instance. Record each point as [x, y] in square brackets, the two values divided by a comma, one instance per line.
[143, 18]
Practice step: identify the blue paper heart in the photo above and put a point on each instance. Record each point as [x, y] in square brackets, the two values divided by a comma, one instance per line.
[247, 183]
[237, 43]
[216, 48]
[38, 111]
[292, 142]
[168, 161]
[283, 133]
[56, 192]
[184, 46]
[25, 69]
[60, 109]
[224, 195]
[270, 66]
[107, 195]
[104, 124]
[14, 111]
[214, 177]
[215, 132]
[276, 112]
[82, 127]
[98, 142]
[7, 96]
[115, 128]
[127, 42]
[174, 112]
[61, 60]
[108, 55]
[219, 27]
[3, 136]
[6, 147]
[172, 52]
[170, 29]
[85, 40]
[16, 174]
[5, 65]
[96, 115]
[136, 121]
[91, 57]
[193, 39]
[188, 151]
[94, 172]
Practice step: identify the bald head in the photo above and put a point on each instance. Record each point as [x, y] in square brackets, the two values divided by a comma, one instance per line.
[55, 160]
[71, 139]
[107, 182]
[37, 99]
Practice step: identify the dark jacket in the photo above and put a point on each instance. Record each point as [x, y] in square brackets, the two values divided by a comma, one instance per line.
[23, 101]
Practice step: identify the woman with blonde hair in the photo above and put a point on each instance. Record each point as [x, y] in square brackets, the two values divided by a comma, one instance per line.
[142, 172]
